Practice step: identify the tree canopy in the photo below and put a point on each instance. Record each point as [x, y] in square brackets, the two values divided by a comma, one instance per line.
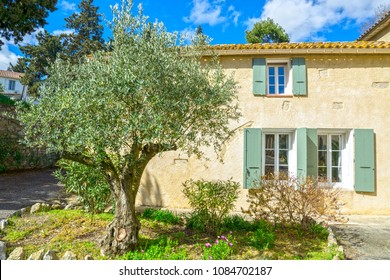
[18, 18]
[86, 39]
[267, 31]
[117, 110]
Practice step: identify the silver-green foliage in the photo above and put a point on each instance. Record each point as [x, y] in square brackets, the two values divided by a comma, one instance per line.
[151, 93]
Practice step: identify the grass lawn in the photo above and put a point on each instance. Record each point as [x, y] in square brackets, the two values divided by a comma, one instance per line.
[165, 236]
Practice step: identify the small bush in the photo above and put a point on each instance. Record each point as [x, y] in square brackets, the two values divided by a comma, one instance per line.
[86, 182]
[211, 201]
[301, 201]
[236, 222]
[164, 216]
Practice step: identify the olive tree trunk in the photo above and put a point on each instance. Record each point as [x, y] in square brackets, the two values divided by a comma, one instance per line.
[122, 233]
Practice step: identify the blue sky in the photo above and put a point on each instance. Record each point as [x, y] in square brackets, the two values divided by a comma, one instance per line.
[226, 20]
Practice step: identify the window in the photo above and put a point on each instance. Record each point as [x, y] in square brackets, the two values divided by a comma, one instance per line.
[11, 85]
[330, 148]
[345, 157]
[276, 151]
[276, 79]
[284, 76]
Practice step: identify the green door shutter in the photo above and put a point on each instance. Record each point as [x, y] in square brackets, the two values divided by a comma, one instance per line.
[252, 155]
[364, 160]
[307, 152]
[299, 76]
[259, 76]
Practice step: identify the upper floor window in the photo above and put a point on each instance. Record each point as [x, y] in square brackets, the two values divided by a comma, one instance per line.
[279, 76]
[276, 78]
[11, 85]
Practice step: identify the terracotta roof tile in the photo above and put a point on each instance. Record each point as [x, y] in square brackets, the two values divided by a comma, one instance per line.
[10, 74]
[305, 45]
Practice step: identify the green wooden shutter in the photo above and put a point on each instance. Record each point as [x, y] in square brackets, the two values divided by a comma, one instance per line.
[307, 152]
[364, 160]
[259, 76]
[299, 76]
[252, 155]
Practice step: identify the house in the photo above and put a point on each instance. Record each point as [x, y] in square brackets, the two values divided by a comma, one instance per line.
[10, 82]
[308, 109]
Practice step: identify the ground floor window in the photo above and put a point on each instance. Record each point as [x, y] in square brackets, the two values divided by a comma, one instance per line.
[330, 164]
[276, 150]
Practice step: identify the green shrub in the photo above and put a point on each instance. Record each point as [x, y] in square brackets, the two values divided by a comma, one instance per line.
[211, 202]
[236, 222]
[6, 100]
[86, 182]
[164, 216]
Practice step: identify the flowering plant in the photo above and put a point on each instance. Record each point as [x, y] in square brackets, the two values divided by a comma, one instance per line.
[221, 249]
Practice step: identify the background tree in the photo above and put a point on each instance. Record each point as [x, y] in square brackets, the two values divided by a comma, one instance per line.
[18, 18]
[380, 11]
[38, 58]
[88, 35]
[266, 31]
[73, 47]
[116, 112]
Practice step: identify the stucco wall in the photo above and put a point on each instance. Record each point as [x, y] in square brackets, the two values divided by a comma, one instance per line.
[344, 92]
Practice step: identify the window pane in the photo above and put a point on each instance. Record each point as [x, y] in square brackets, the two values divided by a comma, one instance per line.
[271, 90]
[336, 174]
[269, 141]
[322, 142]
[271, 80]
[336, 158]
[11, 85]
[281, 89]
[269, 157]
[283, 141]
[271, 71]
[281, 71]
[283, 157]
[269, 170]
[283, 172]
[322, 158]
[322, 172]
[281, 80]
[336, 142]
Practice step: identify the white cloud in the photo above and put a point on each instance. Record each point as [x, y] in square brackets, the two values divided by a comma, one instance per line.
[205, 12]
[6, 56]
[303, 19]
[67, 6]
[64, 31]
[234, 14]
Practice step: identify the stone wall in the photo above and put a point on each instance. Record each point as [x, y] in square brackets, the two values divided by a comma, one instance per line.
[13, 154]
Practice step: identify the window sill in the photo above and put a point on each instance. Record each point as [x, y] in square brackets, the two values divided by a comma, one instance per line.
[279, 95]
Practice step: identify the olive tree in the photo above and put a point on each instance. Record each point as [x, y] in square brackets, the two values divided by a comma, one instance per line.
[116, 111]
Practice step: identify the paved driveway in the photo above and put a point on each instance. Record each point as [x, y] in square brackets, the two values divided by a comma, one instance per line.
[21, 189]
[365, 237]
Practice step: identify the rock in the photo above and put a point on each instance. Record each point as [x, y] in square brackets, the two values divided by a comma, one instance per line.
[3, 224]
[50, 255]
[37, 255]
[56, 206]
[88, 258]
[39, 207]
[3, 250]
[35, 208]
[69, 256]
[17, 254]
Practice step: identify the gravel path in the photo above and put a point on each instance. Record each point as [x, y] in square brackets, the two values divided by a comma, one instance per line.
[22, 189]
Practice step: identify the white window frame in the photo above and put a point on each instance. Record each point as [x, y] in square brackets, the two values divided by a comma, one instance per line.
[287, 73]
[292, 158]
